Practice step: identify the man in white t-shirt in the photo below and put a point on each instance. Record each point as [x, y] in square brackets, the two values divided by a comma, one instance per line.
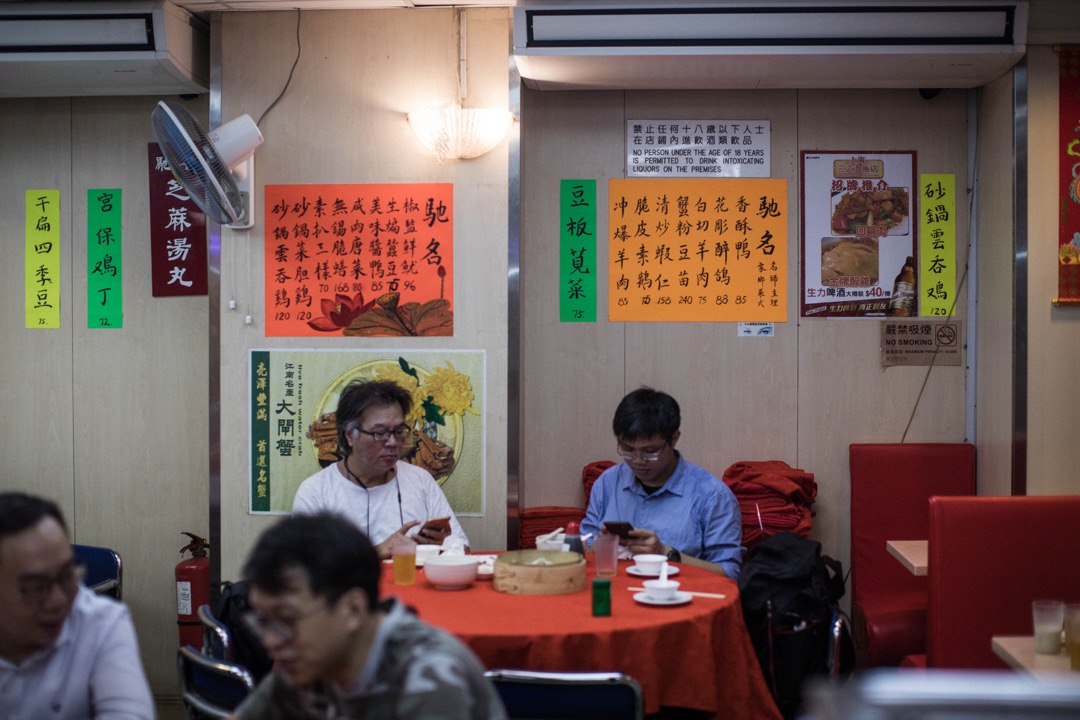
[370, 485]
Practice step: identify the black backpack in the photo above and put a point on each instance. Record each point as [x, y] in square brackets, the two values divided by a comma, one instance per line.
[247, 649]
[789, 593]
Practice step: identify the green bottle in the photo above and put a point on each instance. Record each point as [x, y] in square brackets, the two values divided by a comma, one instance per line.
[601, 597]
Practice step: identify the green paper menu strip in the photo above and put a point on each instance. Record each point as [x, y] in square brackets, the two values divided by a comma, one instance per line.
[42, 259]
[260, 430]
[104, 267]
[577, 251]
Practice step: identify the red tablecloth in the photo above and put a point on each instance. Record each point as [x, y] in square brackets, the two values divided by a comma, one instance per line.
[695, 656]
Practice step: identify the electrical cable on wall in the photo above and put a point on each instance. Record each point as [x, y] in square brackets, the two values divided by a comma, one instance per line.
[291, 71]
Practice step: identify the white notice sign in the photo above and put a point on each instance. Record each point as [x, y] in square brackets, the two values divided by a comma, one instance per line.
[698, 148]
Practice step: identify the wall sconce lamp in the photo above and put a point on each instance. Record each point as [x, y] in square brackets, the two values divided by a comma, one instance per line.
[451, 131]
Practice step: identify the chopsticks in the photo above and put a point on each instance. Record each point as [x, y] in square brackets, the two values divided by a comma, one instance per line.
[718, 596]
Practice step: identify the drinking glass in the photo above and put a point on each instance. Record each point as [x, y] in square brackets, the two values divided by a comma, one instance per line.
[1048, 618]
[1072, 634]
[404, 552]
[606, 550]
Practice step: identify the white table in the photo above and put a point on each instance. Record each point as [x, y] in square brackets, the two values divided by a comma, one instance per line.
[1019, 652]
[911, 554]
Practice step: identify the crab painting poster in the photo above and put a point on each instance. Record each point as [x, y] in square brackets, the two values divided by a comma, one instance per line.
[365, 260]
[293, 434]
[859, 228]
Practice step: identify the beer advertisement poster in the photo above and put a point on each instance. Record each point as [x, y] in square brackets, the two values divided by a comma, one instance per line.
[859, 228]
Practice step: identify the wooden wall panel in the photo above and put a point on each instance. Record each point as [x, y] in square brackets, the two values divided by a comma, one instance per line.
[573, 374]
[801, 397]
[994, 358]
[110, 423]
[343, 120]
[845, 396]
[36, 444]
[139, 392]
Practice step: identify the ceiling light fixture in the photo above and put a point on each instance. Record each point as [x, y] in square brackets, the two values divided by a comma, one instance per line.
[449, 130]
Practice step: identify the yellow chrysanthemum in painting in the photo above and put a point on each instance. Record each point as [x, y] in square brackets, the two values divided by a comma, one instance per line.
[409, 383]
[451, 390]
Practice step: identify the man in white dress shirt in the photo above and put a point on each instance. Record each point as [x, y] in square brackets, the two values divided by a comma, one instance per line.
[370, 485]
[65, 653]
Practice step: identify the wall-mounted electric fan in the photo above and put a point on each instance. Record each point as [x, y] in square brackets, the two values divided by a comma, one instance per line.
[217, 169]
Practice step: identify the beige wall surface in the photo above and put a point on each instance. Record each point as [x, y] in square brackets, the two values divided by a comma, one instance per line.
[109, 423]
[343, 120]
[994, 274]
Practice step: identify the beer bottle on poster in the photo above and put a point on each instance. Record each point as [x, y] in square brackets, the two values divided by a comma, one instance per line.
[903, 302]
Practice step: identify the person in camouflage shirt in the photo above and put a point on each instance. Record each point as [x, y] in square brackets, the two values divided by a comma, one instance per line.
[340, 653]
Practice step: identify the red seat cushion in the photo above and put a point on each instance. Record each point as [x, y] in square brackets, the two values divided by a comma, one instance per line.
[891, 485]
[890, 626]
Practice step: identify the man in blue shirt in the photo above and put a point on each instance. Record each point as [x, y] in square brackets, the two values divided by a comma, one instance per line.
[677, 508]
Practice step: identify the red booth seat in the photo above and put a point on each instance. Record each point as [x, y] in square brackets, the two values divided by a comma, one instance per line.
[891, 485]
[989, 557]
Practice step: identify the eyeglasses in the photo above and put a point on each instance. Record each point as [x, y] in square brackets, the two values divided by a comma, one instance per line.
[640, 456]
[284, 629]
[381, 436]
[35, 589]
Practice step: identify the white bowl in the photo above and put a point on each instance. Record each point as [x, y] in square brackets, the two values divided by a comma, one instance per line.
[661, 589]
[425, 553]
[451, 572]
[555, 544]
[649, 564]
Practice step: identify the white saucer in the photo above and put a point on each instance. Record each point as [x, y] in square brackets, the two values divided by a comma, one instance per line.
[633, 570]
[681, 598]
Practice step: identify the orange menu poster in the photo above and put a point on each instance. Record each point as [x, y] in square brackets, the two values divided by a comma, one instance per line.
[698, 250]
[363, 260]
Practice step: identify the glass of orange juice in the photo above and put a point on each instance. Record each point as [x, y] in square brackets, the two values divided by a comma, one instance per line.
[404, 554]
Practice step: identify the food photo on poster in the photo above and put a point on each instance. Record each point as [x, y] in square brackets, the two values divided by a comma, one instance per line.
[858, 234]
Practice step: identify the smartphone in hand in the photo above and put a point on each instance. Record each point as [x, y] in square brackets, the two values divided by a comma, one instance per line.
[619, 527]
[441, 525]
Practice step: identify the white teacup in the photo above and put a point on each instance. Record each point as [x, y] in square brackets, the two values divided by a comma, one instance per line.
[649, 564]
[661, 590]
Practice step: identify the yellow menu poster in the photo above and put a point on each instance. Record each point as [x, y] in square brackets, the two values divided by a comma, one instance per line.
[708, 250]
[42, 260]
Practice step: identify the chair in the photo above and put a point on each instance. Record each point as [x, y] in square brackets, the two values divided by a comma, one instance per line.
[568, 695]
[217, 643]
[210, 688]
[104, 569]
[891, 485]
[989, 557]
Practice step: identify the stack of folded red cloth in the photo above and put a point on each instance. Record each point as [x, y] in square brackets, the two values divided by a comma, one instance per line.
[773, 497]
[589, 473]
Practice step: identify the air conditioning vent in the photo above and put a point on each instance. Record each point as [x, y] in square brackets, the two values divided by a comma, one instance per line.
[768, 45]
[136, 47]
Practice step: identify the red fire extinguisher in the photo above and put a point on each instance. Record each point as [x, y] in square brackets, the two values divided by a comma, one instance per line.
[192, 589]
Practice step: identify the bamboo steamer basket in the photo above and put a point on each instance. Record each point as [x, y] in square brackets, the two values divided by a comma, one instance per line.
[539, 572]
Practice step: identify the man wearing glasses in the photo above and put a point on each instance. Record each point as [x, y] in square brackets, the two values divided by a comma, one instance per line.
[677, 508]
[370, 485]
[65, 653]
[340, 653]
